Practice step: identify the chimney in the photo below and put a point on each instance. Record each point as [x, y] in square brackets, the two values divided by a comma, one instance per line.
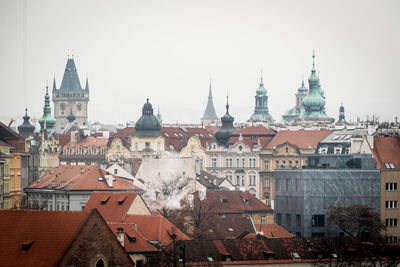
[202, 194]
[120, 235]
[109, 180]
[73, 137]
[198, 164]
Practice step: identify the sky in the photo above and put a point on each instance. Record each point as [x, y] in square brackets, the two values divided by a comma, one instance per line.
[168, 50]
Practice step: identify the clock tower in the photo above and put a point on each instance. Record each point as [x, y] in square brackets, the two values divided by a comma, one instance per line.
[70, 98]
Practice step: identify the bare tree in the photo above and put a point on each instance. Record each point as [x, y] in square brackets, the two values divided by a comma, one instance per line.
[357, 221]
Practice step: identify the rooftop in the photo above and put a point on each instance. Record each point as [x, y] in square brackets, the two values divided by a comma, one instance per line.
[303, 139]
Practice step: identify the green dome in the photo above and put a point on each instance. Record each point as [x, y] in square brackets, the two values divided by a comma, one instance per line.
[261, 90]
[302, 89]
[313, 101]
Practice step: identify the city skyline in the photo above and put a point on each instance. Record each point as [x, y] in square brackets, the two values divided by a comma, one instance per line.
[168, 51]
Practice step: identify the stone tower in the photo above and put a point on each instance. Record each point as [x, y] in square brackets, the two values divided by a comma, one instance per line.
[70, 98]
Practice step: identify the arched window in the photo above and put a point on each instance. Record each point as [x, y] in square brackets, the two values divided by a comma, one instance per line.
[100, 263]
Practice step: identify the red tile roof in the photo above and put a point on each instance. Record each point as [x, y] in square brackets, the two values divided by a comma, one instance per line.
[302, 139]
[273, 231]
[113, 206]
[134, 242]
[155, 228]
[91, 141]
[254, 130]
[387, 150]
[227, 201]
[64, 139]
[229, 227]
[50, 233]
[76, 177]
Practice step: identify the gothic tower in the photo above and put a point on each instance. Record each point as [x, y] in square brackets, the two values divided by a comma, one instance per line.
[70, 98]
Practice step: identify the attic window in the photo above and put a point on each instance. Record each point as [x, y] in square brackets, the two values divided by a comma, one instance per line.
[230, 229]
[295, 255]
[26, 245]
[210, 259]
[246, 201]
[222, 200]
[131, 238]
[389, 165]
[105, 200]
[171, 147]
[121, 201]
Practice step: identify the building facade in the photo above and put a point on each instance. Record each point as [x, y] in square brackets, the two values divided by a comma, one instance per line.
[303, 196]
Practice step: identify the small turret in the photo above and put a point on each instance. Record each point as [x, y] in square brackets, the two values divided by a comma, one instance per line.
[47, 119]
[26, 129]
[71, 117]
[147, 125]
[224, 133]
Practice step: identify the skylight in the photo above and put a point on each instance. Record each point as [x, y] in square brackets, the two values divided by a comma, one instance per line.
[210, 259]
[295, 255]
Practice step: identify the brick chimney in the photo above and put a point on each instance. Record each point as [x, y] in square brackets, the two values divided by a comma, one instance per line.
[120, 235]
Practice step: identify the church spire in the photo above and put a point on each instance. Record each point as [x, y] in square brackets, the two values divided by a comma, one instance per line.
[209, 114]
[54, 84]
[87, 84]
[70, 81]
[47, 119]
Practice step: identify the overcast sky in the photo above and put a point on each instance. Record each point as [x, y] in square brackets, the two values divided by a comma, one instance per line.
[168, 50]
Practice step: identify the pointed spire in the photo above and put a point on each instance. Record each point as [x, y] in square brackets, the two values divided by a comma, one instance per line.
[87, 83]
[227, 104]
[209, 113]
[70, 80]
[313, 61]
[47, 119]
[261, 79]
[54, 83]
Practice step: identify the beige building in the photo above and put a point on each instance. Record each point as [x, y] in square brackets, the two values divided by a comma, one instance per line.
[386, 151]
[288, 149]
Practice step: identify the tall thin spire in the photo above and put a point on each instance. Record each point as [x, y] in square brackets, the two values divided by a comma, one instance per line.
[313, 61]
[87, 83]
[209, 113]
[54, 83]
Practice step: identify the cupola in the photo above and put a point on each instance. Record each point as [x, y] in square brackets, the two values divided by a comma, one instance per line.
[147, 125]
[26, 129]
[224, 133]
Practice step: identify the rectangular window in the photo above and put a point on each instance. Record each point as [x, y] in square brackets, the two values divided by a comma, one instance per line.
[279, 218]
[287, 184]
[391, 222]
[263, 220]
[237, 180]
[230, 163]
[317, 220]
[227, 163]
[147, 144]
[237, 162]
[276, 163]
[266, 165]
[266, 182]
[243, 162]
[391, 204]
[288, 220]
[298, 220]
[214, 162]
[115, 171]
[391, 186]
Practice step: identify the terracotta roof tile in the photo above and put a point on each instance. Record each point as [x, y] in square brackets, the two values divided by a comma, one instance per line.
[113, 206]
[76, 177]
[387, 150]
[50, 233]
[134, 241]
[229, 227]
[155, 228]
[254, 130]
[64, 139]
[302, 139]
[227, 201]
[273, 231]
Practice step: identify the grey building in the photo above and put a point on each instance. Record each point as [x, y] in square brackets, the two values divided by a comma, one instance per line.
[303, 196]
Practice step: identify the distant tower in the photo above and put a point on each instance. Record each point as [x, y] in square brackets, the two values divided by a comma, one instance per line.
[47, 119]
[224, 133]
[342, 119]
[314, 102]
[261, 113]
[210, 116]
[147, 125]
[26, 129]
[297, 111]
[70, 97]
[158, 116]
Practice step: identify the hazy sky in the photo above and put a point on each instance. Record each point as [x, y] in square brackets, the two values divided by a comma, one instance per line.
[168, 50]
